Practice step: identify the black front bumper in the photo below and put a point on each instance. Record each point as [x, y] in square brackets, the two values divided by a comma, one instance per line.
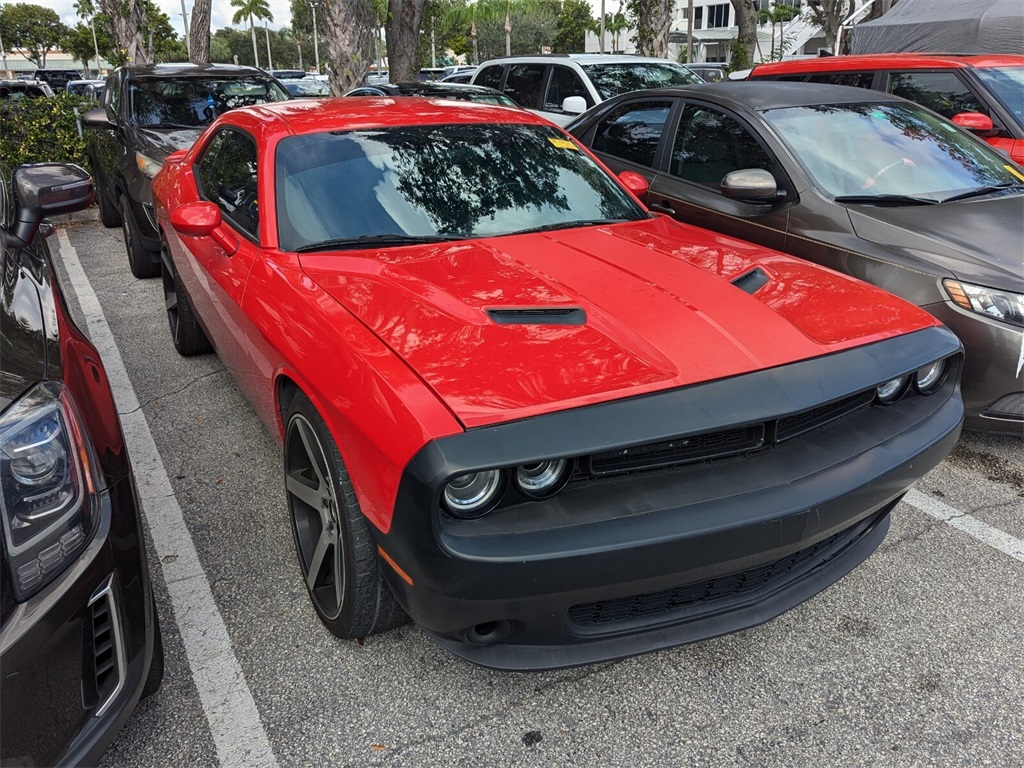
[645, 560]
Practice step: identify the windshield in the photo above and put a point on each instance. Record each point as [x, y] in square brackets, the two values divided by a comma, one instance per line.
[194, 102]
[1007, 83]
[613, 79]
[896, 150]
[430, 181]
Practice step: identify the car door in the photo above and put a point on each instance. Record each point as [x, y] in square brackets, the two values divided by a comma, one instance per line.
[226, 174]
[524, 84]
[107, 151]
[709, 142]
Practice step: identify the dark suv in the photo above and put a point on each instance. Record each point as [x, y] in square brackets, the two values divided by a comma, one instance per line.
[148, 112]
[57, 79]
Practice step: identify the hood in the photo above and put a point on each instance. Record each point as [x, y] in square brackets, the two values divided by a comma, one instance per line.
[978, 241]
[159, 143]
[509, 327]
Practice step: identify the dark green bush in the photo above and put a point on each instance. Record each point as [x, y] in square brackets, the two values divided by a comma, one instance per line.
[42, 130]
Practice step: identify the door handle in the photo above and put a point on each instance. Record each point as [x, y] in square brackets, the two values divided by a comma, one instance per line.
[663, 207]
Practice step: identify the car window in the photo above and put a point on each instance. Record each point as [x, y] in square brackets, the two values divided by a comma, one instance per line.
[112, 96]
[613, 79]
[196, 101]
[523, 84]
[228, 177]
[562, 84]
[855, 79]
[941, 92]
[632, 131]
[709, 144]
[1007, 83]
[490, 76]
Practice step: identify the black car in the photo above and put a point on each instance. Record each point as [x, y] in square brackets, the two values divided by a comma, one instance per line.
[79, 637]
[437, 90]
[57, 79]
[148, 112]
[863, 182]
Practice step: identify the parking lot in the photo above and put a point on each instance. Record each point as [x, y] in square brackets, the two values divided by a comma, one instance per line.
[915, 658]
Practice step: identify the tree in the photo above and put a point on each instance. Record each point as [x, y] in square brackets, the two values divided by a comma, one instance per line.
[79, 44]
[614, 24]
[199, 32]
[402, 30]
[128, 22]
[652, 21]
[349, 31]
[574, 20]
[829, 15]
[466, 15]
[34, 29]
[534, 31]
[746, 38]
[251, 10]
[777, 14]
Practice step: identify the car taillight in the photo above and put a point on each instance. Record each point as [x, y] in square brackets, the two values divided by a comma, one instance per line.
[48, 475]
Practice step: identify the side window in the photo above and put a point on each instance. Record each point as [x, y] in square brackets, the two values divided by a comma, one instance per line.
[855, 79]
[942, 92]
[490, 76]
[563, 84]
[112, 96]
[632, 131]
[523, 84]
[227, 177]
[710, 144]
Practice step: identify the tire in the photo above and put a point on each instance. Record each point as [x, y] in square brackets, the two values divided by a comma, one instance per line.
[141, 260]
[109, 215]
[156, 666]
[186, 333]
[337, 554]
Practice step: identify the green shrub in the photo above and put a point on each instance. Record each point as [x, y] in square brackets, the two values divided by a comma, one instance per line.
[42, 130]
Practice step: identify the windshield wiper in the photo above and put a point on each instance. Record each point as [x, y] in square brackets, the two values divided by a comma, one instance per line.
[342, 243]
[887, 199]
[568, 225]
[981, 191]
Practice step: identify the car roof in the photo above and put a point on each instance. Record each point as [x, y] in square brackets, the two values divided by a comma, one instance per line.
[773, 94]
[871, 61]
[580, 58]
[306, 116]
[187, 69]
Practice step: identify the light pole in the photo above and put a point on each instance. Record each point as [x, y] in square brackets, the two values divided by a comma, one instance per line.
[316, 39]
[3, 53]
[188, 42]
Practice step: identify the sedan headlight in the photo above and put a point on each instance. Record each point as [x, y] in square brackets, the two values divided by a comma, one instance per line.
[147, 165]
[1000, 305]
[47, 476]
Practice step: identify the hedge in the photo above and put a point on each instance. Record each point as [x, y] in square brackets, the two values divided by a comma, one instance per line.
[41, 130]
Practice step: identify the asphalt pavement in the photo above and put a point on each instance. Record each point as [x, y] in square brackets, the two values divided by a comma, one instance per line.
[914, 659]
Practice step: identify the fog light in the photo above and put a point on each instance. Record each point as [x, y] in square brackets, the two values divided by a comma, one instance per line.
[543, 478]
[892, 390]
[473, 494]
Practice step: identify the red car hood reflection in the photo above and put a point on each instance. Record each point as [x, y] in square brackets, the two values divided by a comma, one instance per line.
[660, 310]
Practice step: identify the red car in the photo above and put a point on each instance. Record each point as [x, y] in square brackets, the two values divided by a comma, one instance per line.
[984, 93]
[550, 426]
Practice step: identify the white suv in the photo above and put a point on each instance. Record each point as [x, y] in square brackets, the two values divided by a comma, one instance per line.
[561, 86]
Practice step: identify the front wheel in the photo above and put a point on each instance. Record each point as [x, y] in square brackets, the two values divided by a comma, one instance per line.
[141, 260]
[186, 333]
[337, 555]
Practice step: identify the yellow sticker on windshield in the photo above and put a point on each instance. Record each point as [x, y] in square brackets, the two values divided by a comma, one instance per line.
[1014, 171]
[561, 143]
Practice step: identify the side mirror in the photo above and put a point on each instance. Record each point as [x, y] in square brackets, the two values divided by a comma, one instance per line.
[96, 118]
[574, 105]
[751, 185]
[975, 122]
[46, 189]
[635, 183]
[203, 220]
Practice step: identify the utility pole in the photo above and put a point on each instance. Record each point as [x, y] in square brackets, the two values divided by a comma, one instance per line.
[601, 41]
[266, 30]
[184, 15]
[95, 45]
[316, 39]
[689, 33]
[299, 46]
[3, 53]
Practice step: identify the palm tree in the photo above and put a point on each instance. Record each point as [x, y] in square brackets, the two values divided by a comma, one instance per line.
[252, 10]
[777, 14]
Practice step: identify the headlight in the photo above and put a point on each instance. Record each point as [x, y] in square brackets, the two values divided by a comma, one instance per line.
[930, 378]
[473, 494]
[147, 165]
[543, 478]
[1001, 305]
[892, 390]
[47, 480]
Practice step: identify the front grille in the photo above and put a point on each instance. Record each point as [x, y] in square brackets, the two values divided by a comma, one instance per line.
[799, 423]
[697, 597]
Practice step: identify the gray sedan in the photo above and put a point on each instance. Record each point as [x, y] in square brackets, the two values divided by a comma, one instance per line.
[869, 184]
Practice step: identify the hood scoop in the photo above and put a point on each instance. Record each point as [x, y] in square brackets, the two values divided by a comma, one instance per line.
[538, 316]
[751, 281]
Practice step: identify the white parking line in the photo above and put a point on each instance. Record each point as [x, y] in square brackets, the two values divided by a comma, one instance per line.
[969, 524]
[235, 724]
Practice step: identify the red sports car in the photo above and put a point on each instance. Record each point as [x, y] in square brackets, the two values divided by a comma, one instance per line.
[550, 426]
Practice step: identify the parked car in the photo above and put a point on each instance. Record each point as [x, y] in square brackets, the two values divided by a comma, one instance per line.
[90, 89]
[551, 427]
[984, 94]
[866, 183]
[710, 73]
[561, 86]
[57, 79]
[462, 76]
[24, 89]
[148, 112]
[439, 90]
[79, 636]
[288, 74]
[307, 88]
